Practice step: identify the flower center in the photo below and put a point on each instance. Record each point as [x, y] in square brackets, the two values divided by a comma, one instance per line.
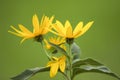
[69, 40]
[39, 38]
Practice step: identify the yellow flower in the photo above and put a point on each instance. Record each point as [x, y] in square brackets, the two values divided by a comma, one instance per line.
[55, 64]
[66, 31]
[39, 28]
[55, 40]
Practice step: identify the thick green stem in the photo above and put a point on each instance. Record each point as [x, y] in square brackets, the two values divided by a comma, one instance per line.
[70, 62]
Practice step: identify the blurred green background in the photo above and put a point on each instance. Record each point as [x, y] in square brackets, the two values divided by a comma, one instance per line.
[101, 42]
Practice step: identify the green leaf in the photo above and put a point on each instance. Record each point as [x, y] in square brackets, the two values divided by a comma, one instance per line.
[29, 73]
[61, 50]
[90, 65]
[97, 69]
[75, 51]
[88, 61]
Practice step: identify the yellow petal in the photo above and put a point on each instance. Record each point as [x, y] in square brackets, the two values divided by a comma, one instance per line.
[45, 25]
[49, 26]
[42, 20]
[57, 39]
[25, 30]
[85, 28]
[62, 63]
[35, 24]
[23, 40]
[51, 19]
[45, 30]
[49, 63]
[67, 24]
[59, 28]
[26, 33]
[78, 29]
[62, 66]
[48, 46]
[54, 32]
[53, 69]
[68, 28]
[17, 34]
[55, 58]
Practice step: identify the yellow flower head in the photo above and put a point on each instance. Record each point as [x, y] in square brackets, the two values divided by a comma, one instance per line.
[39, 28]
[55, 40]
[55, 64]
[66, 31]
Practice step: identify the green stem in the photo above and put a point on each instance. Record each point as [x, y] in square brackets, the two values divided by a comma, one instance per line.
[66, 76]
[70, 62]
[45, 51]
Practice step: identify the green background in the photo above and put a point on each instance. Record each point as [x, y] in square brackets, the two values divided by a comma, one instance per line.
[101, 42]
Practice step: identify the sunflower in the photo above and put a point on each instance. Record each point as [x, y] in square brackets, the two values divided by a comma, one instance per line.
[55, 64]
[67, 32]
[39, 29]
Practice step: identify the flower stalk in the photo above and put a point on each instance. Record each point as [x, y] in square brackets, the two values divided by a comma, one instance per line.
[70, 61]
[43, 48]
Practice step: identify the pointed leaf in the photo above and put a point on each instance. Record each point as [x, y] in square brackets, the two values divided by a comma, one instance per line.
[98, 69]
[75, 51]
[29, 73]
[59, 49]
[88, 61]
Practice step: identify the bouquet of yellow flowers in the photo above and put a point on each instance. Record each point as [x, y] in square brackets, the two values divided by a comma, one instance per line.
[68, 63]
